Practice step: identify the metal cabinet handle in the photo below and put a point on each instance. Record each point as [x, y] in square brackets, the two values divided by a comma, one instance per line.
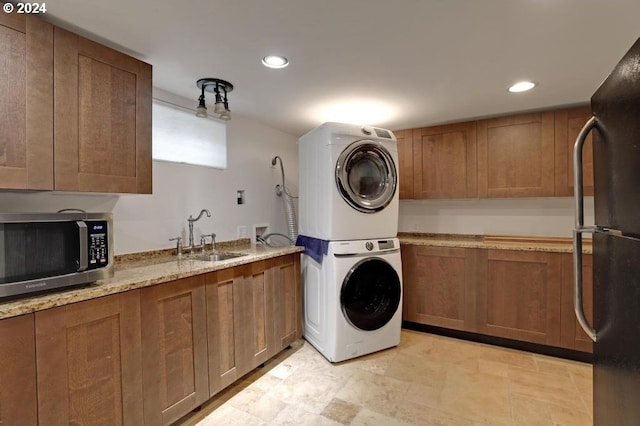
[580, 228]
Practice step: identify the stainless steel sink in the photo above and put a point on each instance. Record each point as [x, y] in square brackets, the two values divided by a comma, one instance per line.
[215, 257]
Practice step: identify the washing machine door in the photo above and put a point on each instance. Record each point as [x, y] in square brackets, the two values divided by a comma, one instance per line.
[370, 294]
[366, 176]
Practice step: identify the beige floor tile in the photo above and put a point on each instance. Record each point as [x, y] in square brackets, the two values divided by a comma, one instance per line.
[566, 416]
[341, 411]
[426, 380]
[266, 408]
[377, 362]
[293, 415]
[370, 418]
[228, 415]
[311, 390]
[546, 387]
[528, 411]
[418, 369]
[417, 414]
[283, 370]
[478, 396]
[373, 391]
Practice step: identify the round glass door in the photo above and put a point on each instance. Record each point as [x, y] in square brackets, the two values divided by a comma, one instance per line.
[370, 294]
[366, 176]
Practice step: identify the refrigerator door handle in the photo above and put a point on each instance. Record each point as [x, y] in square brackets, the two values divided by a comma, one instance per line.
[580, 228]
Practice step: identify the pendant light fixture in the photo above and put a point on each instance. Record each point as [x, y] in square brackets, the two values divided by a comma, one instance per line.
[220, 88]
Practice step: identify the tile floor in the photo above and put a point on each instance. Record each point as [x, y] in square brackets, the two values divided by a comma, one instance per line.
[426, 380]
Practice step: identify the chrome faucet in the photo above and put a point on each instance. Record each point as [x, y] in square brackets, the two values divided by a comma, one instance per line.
[191, 220]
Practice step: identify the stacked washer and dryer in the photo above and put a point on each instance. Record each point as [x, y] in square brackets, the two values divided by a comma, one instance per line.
[348, 221]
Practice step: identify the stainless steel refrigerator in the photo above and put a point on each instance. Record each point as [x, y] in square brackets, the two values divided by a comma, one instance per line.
[615, 127]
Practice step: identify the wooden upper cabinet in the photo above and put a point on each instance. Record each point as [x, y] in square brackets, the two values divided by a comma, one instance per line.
[405, 163]
[102, 118]
[18, 400]
[568, 123]
[89, 366]
[444, 161]
[26, 109]
[519, 295]
[174, 349]
[516, 156]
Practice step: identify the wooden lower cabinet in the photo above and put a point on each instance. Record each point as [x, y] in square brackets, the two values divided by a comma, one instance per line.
[439, 285]
[88, 362]
[573, 337]
[18, 400]
[174, 349]
[286, 293]
[253, 312]
[519, 295]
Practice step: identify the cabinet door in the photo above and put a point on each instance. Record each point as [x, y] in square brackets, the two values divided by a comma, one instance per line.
[102, 118]
[405, 163]
[573, 337]
[255, 316]
[444, 161]
[89, 362]
[174, 349]
[439, 286]
[286, 301]
[18, 401]
[516, 156]
[519, 295]
[26, 110]
[222, 326]
[568, 123]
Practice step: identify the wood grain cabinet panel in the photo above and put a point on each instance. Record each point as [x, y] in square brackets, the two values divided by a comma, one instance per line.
[516, 156]
[88, 358]
[26, 110]
[222, 327]
[286, 301]
[18, 399]
[568, 123]
[445, 162]
[405, 163]
[439, 285]
[102, 118]
[573, 337]
[174, 349]
[519, 296]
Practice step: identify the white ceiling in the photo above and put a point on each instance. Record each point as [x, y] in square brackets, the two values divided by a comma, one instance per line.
[410, 63]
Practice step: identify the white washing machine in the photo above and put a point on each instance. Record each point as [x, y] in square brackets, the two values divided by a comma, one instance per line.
[348, 183]
[353, 299]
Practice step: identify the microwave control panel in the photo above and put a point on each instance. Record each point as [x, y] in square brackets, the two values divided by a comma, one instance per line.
[98, 244]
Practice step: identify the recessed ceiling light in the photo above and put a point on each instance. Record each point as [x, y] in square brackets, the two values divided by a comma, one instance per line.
[522, 86]
[274, 61]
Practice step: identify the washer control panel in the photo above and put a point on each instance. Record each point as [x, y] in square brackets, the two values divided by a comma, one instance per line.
[345, 248]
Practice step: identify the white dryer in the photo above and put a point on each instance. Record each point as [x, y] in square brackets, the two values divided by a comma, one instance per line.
[353, 299]
[348, 183]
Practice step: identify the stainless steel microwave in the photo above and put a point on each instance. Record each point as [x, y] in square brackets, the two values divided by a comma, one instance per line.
[43, 251]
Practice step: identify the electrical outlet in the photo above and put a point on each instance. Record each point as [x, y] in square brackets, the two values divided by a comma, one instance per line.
[242, 232]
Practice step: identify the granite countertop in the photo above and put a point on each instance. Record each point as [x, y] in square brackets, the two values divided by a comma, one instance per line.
[138, 271]
[546, 244]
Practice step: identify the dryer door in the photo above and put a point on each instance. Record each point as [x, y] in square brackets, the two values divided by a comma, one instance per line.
[366, 176]
[370, 294]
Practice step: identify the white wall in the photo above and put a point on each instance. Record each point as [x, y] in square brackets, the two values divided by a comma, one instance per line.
[146, 222]
[516, 216]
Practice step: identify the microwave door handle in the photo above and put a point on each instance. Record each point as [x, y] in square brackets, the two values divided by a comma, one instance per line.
[84, 255]
[579, 229]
